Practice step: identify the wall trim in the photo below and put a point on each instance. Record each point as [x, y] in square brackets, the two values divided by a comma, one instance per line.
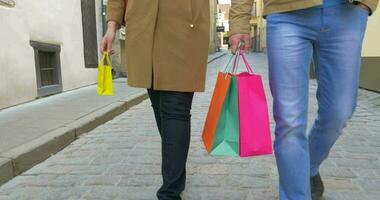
[370, 73]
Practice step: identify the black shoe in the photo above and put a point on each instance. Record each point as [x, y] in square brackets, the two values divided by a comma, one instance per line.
[317, 187]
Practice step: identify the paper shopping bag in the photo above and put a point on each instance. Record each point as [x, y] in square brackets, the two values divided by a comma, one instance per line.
[254, 126]
[221, 131]
[255, 138]
[226, 139]
[221, 88]
[105, 85]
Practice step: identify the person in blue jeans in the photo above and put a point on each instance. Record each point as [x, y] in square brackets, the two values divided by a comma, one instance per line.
[331, 34]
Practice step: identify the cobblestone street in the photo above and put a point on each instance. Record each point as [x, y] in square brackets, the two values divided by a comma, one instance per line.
[121, 159]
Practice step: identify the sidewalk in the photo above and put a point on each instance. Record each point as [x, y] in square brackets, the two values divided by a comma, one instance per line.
[121, 159]
[33, 131]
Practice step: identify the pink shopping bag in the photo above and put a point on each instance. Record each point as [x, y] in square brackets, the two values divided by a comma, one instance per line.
[255, 138]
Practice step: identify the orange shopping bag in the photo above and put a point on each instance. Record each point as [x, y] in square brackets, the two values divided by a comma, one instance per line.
[220, 92]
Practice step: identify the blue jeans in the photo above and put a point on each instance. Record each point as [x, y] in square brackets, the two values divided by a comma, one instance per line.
[333, 38]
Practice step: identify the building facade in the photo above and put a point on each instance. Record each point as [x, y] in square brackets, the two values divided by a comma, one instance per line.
[214, 41]
[258, 27]
[47, 47]
[223, 21]
[370, 72]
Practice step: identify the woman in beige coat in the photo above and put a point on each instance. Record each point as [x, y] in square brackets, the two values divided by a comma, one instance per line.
[166, 52]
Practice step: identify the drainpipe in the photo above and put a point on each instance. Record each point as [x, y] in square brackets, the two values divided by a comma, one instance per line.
[104, 8]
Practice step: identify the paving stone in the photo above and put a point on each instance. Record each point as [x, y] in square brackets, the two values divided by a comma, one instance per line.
[122, 169]
[340, 184]
[361, 156]
[103, 180]
[369, 185]
[139, 180]
[252, 170]
[138, 193]
[102, 192]
[74, 169]
[213, 169]
[4, 197]
[361, 195]
[337, 172]
[217, 194]
[248, 181]
[356, 163]
[366, 174]
[191, 193]
[262, 194]
[47, 193]
[333, 195]
[204, 181]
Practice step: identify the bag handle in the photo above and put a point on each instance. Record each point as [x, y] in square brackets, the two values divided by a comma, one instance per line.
[247, 66]
[106, 58]
[228, 67]
[235, 65]
[240, 53]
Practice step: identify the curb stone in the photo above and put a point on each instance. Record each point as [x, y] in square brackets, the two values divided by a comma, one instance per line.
[6, 168]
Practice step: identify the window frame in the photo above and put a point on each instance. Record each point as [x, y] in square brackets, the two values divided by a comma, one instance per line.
[51, 48]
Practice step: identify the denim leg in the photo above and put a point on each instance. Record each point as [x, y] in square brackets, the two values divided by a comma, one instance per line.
[289, 42]
[337, 60]
[175, 114]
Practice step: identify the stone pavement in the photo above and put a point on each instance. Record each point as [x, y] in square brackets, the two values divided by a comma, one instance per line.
[31, 132]
[121, 159]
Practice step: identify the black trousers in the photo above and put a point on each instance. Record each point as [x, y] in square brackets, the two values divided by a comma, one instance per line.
[172, 113]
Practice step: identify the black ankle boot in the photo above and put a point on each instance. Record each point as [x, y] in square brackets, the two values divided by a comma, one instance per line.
[317, 187]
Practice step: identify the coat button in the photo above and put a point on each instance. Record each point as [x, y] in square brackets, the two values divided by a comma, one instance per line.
[191, 25]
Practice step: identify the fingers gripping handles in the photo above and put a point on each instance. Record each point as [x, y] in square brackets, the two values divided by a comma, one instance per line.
[235, 66]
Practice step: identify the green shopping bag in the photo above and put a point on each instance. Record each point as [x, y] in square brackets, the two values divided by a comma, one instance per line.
[226, 138]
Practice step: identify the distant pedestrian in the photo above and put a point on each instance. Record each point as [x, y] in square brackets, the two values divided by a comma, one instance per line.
[330, 31]
[166, 52]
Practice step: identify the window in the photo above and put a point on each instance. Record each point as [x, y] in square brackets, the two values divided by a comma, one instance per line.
[48, 68]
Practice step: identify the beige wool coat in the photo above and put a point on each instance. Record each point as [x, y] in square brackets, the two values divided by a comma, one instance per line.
[166, 42]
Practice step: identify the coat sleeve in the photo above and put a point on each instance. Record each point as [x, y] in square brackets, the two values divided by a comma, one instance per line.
[115, 11]
[372, 4]
[240, 14]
